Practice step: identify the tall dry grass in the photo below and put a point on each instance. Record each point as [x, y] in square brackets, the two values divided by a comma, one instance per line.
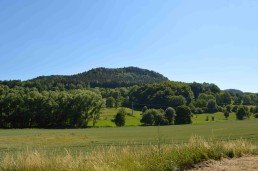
[146, 157]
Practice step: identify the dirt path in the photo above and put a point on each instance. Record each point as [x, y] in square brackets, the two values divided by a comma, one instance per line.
[249, 163]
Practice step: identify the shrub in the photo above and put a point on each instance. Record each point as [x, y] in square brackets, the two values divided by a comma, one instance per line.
[183, 115]
[120, 117]
[170, 115]
[154, 117]
[226, 114]
[241, 113]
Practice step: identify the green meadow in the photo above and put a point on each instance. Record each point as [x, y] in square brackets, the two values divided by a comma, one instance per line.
[12, 140]
[108, 114]
[107, 147]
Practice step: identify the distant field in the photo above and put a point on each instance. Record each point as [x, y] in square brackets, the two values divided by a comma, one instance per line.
[75, 140]
[108, 114]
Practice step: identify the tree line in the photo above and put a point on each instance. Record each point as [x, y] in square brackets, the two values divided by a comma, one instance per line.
[200, 98]
[29, 108]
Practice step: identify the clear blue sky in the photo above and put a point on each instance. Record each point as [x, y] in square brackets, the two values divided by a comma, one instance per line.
[213, 41]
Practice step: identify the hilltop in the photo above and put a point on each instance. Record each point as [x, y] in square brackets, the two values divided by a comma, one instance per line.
[104, 77]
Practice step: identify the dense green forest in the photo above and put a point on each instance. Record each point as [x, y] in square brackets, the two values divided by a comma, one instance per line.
[98, 77]
[72, 101]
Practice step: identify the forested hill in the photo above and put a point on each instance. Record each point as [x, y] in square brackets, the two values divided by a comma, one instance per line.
[101, 77]
[233, 91]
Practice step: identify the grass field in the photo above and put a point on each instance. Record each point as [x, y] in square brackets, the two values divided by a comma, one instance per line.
[123, 148]
[108, 114]
[86, 139]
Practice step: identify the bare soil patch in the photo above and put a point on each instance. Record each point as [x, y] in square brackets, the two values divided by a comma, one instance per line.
[248, 163]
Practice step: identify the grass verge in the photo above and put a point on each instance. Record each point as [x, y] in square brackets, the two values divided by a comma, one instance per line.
[145, 157]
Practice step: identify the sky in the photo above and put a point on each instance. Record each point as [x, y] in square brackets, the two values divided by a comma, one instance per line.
[213, 41]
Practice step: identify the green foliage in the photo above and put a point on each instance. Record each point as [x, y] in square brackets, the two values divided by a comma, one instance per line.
[170, 115]
[176, 101]
[25, 108]
[228, 108]
[212, 106]
[51, 102]
[226, 114]
[144, 109]
[163, 94]
[107, 117]
[110, 103]
[154, 117]
[223, 99]
[98, 77]
[183, 115]
[148, 116]
[198, 88]
[242, 113]
[120, 117]
[201, 103]
[255, 109]
[234, 109]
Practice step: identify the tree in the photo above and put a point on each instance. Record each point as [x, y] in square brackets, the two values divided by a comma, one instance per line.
[200, 103]
[241, 113]
[228, 108]
[196, 89]
[110, 102]
[84, 105]
[234, 109]
[176, 101]
[183, 115]
[212, 106]
[256, 109]
[148, 117]
[247, 99]
[144, 109]
[223, 99]
[192, 107]
[170, 115]
[159, 119]
[120, 117]
[154, 117]
[226, 114]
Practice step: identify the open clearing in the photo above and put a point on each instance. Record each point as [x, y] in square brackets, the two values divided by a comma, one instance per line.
[108, 115]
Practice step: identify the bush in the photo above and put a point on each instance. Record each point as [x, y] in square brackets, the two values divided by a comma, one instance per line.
[120, 117]
[183, 115]
[256, 115]
[228, 108]
[226, 114]
[241, 113]
[170, 115]
[154, 117]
